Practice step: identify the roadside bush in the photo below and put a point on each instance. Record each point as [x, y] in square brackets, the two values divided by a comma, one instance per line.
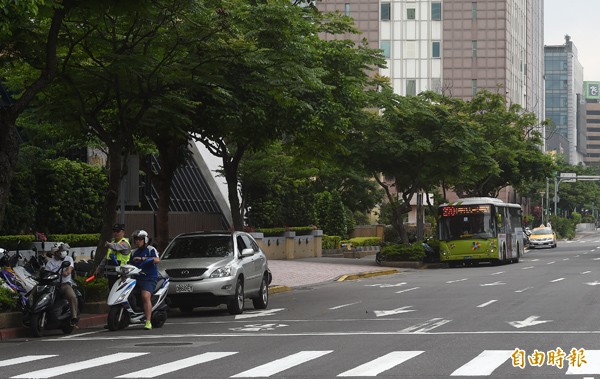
[331, 242]
[364, 241]
[277, 232]
[8, 300]
[564, 227]
[399, 252]
[76, 240]
[94, 290]
[12, 242]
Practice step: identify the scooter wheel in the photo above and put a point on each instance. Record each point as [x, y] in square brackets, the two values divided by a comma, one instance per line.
[67, 328]
[159, 319]
[113, 318]
[37, 326]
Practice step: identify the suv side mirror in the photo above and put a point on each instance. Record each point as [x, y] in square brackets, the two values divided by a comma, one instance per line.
[247, 252]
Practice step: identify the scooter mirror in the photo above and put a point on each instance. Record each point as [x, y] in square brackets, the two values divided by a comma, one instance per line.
[65, 264]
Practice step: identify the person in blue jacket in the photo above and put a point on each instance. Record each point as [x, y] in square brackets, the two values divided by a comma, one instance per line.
[145, 257]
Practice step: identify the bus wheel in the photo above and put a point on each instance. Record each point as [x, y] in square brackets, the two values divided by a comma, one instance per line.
[516, 260]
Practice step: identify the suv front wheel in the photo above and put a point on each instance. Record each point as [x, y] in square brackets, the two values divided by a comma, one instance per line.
[262, 300]
[236, 305]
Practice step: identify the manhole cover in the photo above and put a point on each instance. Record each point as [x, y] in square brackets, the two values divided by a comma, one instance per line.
[162, 344]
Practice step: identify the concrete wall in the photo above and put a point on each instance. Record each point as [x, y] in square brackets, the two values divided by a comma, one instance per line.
[290, 246]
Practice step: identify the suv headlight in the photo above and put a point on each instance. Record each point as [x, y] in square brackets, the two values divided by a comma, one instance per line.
[222, 272]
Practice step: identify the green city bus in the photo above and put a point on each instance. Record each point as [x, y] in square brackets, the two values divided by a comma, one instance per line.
[480, 229]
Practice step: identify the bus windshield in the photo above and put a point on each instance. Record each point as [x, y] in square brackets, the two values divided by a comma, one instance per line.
[466, 222]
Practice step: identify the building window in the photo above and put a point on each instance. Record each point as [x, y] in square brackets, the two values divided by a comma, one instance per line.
[347, 9]
[473, 87]
[436, 11]
[474, 11]
[474, 49]
[411, 87]
[385, 46]
[385, 11]
[435, 49]
[410, 13]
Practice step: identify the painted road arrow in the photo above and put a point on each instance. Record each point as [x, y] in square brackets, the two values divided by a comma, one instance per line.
[529, 321]
[394, 311]
[266, 312]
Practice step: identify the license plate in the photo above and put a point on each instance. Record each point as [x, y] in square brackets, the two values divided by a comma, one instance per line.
[183, 288]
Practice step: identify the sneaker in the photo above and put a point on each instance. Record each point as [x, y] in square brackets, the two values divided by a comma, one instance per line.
[74, 322]
[148, 325]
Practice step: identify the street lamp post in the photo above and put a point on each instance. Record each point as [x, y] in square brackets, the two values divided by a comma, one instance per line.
[542, 193]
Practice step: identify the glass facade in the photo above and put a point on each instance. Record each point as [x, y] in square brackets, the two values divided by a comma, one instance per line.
[557, 93]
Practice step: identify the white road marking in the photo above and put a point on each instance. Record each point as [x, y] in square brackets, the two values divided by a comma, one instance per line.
[592, 367]
[585, 272]
[345, 305]
[381, 285]
[566, 259]
[426, 326]
[526, 268]
[556, 280]
[282, 364]
[258, 327]
[266, 312]
[594, 283]
[394, 311]
[381, 364]
[549, 263]
[78, 366]
[24, 359]
[458, 280]
[486, 304]
[498, 273]
[492, 284]
[524, 289]
[529, 321]
[484, 364]
[408, 289]
[167, 368]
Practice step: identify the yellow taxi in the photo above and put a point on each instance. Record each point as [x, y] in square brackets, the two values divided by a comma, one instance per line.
[543, 236]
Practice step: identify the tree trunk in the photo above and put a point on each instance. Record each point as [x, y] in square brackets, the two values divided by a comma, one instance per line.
[115, 166]
[168, 164]
[9, 150]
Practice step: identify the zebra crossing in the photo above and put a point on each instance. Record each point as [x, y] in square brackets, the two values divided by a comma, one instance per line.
[484, 364]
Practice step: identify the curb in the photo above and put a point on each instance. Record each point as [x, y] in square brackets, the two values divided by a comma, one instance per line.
[278, 289]
[366, 275]
[91, 321]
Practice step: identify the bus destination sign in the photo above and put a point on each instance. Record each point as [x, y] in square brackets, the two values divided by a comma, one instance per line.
[451, 210]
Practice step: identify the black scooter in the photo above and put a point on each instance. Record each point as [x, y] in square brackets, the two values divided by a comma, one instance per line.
[46, 309]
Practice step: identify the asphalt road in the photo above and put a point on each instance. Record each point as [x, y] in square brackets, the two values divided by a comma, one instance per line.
[537, 318]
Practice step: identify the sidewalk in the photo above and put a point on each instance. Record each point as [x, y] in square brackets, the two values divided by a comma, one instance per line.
[287, 274]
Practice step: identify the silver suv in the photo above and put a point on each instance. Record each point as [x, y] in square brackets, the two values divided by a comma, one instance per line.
[211, 268]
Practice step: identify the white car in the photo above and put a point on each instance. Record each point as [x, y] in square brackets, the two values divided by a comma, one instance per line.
[207, 269]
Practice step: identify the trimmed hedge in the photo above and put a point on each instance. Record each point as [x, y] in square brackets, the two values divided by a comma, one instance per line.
[276, 232]
[74, 240]
[364, 241]
[94, 290]
[397, 252]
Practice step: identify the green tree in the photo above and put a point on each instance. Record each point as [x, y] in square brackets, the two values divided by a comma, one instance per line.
[515, 146]
[69, 196]
[285, 84]
[29, 35]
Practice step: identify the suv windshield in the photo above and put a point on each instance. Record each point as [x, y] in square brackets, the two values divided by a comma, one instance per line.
[199, 247]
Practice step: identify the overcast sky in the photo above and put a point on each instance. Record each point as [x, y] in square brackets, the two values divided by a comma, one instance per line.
[580, 20]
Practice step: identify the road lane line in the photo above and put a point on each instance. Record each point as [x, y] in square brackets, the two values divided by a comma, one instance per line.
[282, 364]
[483, 364]
[497, 273]
[585, 272]
[408, 289]
[557, 280]
[381, 364]
[342, 306]
[167, 368]
[549, 263]
[527, 268]
[78, 366]
[486, 304]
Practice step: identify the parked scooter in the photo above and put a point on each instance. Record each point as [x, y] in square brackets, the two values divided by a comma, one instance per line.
[125, 303]
[46, 309]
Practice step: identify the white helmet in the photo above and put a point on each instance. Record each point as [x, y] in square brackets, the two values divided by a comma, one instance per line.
[60, 247]
[139, 234]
